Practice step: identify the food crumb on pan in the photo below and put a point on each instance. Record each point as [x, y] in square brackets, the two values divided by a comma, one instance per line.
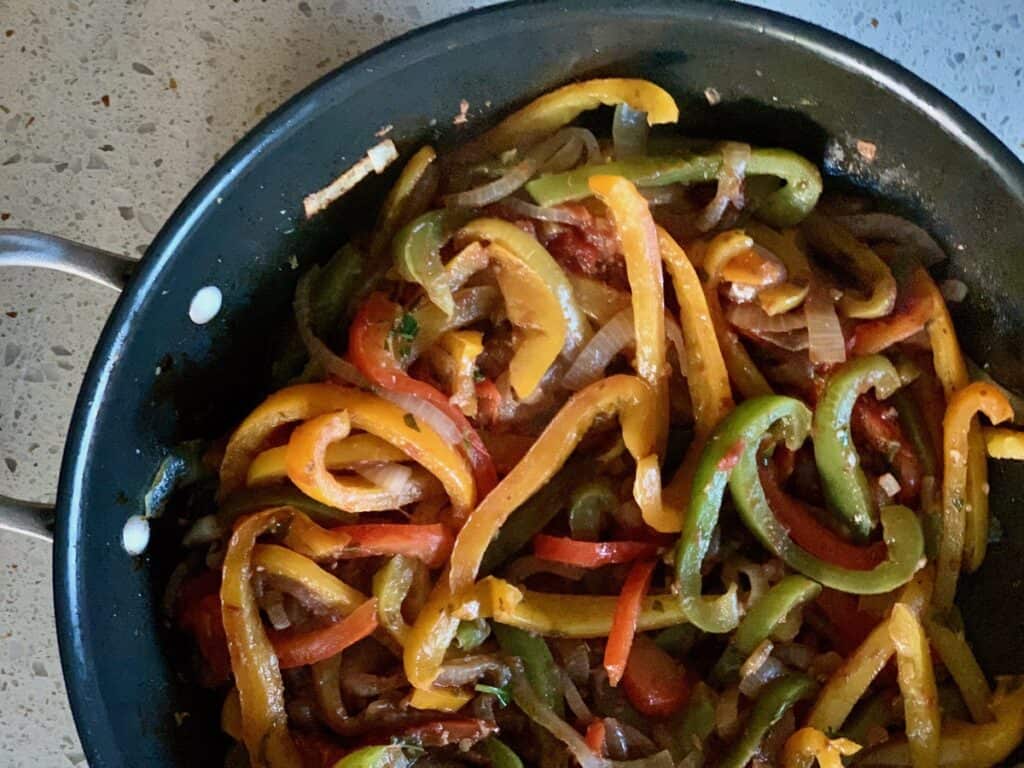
[384, 131]
[712, 95]
[463, 117]
[376, 159]
[205, 304]
[867, 150]
[135, 535]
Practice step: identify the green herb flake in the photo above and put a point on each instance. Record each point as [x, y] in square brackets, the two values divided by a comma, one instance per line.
[501, 694]
[478, 375]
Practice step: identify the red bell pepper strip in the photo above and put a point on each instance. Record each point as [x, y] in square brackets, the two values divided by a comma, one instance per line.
[429, 542]
[655, 683]
[878, 425]
[370, 351]
[298, 649]
[914, 309]
[627, 611]
[590, 554]
[852, 625]
[488, 401]
[595, 737]
[198, 612]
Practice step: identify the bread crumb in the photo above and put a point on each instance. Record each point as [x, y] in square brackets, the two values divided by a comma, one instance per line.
[867, 150]
[463, 117]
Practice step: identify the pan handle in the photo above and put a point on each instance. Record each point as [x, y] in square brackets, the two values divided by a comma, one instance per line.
[25, 248]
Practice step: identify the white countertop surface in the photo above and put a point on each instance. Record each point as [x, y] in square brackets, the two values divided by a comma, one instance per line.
[110, 112]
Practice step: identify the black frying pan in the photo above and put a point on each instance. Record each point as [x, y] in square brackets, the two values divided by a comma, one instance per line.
[782, 82]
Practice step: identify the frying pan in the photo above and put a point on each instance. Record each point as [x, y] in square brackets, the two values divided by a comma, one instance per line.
[781, 82]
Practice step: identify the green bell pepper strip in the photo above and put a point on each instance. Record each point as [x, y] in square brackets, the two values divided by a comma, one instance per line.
[678, 640]
[181, 467]
[846, 487]
[500, 755]
[695, 725]
[774, 701]
[591, 505]
[901, 528]
[762, 620]
[878, 711]
[417, 253]
[739, 434]
[472, 634]
[783, 208]
[390, 756]
[538, 664]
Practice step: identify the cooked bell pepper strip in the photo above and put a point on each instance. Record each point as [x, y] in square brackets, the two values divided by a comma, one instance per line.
[417, 254]
[305, 461]
[784, 207]
[532, 516]
[198, 612]
[390, 586]
[877, 712]
[654, 682]
[978, 397]
[901, 528]
[846, 487]
[500, 755]
[876, 279]
[439, 699]
[595, 737]
[589, 509]
[639, 241]
[914, 427]
[231, 715]
[1003, 443]
[429, 543]
[269, 466]
[300, 649]
[253, 661]
[369, 339]
[182, 467]
[772, 703]
[696, 724]
[590, 554]
[627, 612]
[559, 107]
[849, 682]
[538, 299]
[464, 347]
[849, 625]
[809, 747]
[431, 634]
[917, 684]
[912, 312]
[627, 396]
[788, 295]
[740, 433]
[964, 745]
[415, 186]
[471, 305]
[763, 618]
[472, 634]
[538, 664]
[390, 756]
[297, 574]
[800, 521]
[367, 412]
[878, 426]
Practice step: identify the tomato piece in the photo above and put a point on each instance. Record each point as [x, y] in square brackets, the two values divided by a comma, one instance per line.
[655, 683]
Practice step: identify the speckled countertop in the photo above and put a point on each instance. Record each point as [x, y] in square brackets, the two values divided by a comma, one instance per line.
[110, 112]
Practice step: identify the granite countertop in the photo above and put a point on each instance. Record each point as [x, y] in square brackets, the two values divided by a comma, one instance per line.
[110, 112]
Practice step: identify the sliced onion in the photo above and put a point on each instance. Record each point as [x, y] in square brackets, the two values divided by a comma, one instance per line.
[565, 158]
[541, 213]
[335, 366]
[273, 605]
[889, 484]
[824, 334]
[573, 698]
[674, 334]
[472, 669]
[611, 339]
[886, 226]
[756, 660]
[389, 476]
[629, 132]
[791, 341]
[735, 157]
[423, 411]
[522, 568]
[596, 299]
[750, 317]
[727, 713]
[589, 142]
[795, 654]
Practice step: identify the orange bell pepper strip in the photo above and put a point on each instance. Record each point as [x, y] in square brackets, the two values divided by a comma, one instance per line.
[655, 683]
[873, 274]
[306, 463]
[430, 542]
[639, 238]
[913, 311]
[590, 554]
[361, 448]
[548, 113]
[538, 299]
[978, 397]
[627, 612]
[788, 295]
[367, 412]
[300, 649]
[464, 347]
[369, 347]
[253, 660]
[627, 396]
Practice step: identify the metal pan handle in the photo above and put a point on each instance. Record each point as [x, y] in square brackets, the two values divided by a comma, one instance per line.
[24, 248]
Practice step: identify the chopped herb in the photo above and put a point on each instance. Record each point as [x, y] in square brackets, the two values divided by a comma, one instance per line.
[478, 375]
[501, 694]
[410, 422]
[406, 328]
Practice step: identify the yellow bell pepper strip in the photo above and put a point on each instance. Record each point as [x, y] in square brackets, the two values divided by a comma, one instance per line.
[809, 747]
[390, 756]
[844, 483]
[639, 240]
[851, 255]
[1003, 443]
[627, 396]
[958, 658]
[557, 108]
[231, 715]
[291, 572]
[415, 186]
[367, 412]
[361, 448]
[538, 299]
[917, 684]
[965, 745]
[253, 662]
[439, 699]
[307, 468]
[849, 682]
[742, 370]
[390, 586]
[774, 700]
[784, 207]
[464, 347]
[788, 295]
[978, 397]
